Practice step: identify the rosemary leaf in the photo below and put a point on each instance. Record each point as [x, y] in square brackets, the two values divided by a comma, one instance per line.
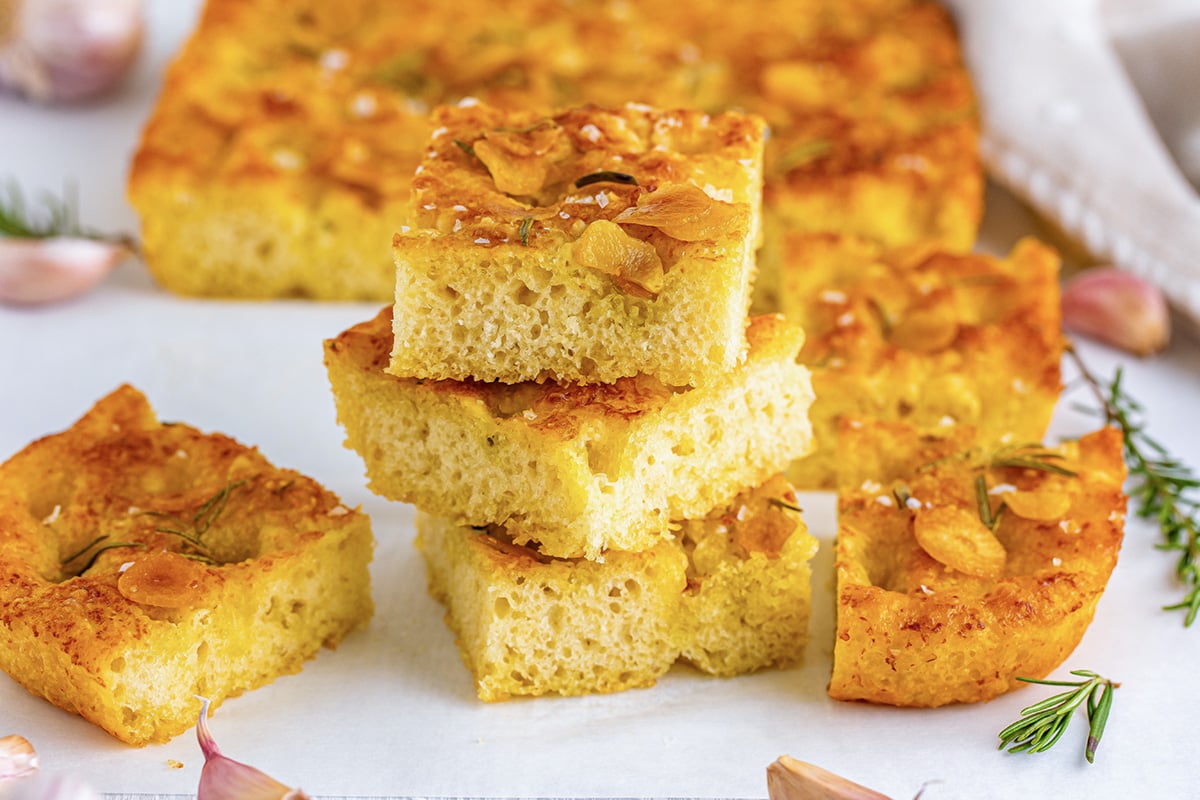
[775, 501]
[523, 230]
[83, 550]
[984, 501]
[469, 149]
[1042, 724]
[1161, 487]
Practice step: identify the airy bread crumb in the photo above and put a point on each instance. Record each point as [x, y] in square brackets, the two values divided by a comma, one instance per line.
[730, 595]
[578, 469]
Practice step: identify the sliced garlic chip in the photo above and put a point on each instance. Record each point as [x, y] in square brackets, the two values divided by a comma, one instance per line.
[957, 538]
[1042, 504]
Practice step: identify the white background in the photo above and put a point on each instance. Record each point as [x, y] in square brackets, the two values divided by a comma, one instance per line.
[393, 711]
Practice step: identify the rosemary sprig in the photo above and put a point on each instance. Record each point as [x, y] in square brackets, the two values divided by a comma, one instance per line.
[984, 500]
[1042, 724]
[95, 551]
[803, 154]
[1162, 484]
[193, 532]
[60, 217]
[1031, 456]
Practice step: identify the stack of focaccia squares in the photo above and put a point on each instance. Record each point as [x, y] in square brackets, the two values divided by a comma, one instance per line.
[571, 392]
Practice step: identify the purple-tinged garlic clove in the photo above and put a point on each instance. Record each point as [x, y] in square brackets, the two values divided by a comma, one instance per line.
[39, 271]
[64, 50]
[1117, 308]
[225, 779]
[18, 759]
[789, 779]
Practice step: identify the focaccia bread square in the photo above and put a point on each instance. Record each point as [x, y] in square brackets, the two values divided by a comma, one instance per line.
[926, 337]
[144, 563]
[579, 469]
[962, 567]
[731, 594]
[587, 246]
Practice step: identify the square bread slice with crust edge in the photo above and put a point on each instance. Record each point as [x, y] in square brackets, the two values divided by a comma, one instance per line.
[577, 469]
[216, 572]
[730, 594]
[924, 336]
[961, 566]
[586, 246]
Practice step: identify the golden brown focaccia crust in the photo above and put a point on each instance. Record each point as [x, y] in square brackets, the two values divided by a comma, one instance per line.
[924, 336]
[143, 563]
[935, 608]
[586, 246]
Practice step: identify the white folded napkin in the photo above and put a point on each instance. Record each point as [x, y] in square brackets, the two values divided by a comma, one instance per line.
[1091, 113]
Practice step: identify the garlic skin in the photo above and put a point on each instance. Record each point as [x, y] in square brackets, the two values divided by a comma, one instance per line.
[68, 50]
[225, 779]
[789, 779]
[1117, 308]
[40, 271]
[17, 758]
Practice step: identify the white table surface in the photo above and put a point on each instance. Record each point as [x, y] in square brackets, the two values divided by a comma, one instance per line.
[393, 711]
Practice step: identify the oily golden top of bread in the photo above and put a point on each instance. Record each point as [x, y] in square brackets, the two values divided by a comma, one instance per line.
[962, 567]
[925, 336]
[143, 562]
[587, 246]
[488, 171]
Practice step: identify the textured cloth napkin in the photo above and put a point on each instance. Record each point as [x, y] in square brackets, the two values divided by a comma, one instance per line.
[1091, 113]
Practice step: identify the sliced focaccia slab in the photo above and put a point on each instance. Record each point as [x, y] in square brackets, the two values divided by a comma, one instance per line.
[926, 337]
[584, 246]
[961, 568]
[731, 594]
[144, 563]
[579, 469]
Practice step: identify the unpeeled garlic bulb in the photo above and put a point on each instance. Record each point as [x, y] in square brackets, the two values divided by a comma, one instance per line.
[225, 779]
[64, 50]
[39, 271]
[1117, 308]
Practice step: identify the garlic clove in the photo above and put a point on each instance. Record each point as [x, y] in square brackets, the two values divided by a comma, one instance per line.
[225, 779]
[39, 271]
[789, 779]
[17, 758]
[70, 49]
[1117, 308]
